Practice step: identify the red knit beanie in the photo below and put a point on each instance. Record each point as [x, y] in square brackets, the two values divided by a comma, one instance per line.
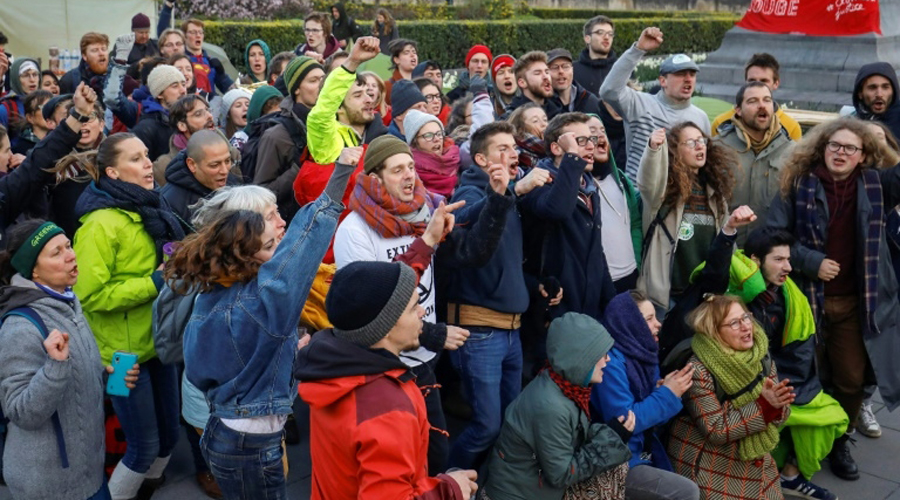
[501, 61]
[478, 49]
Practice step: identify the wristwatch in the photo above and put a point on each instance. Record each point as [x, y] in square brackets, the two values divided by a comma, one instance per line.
[78, 116]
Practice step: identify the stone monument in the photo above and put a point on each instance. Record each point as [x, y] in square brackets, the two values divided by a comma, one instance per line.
[817, 71]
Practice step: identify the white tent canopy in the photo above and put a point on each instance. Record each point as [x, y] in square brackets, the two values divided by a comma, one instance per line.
[33, 26]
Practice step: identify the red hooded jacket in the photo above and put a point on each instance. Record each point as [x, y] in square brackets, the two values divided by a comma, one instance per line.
[368, 425]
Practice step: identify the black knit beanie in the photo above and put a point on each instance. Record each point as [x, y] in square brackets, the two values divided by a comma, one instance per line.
[367, 298]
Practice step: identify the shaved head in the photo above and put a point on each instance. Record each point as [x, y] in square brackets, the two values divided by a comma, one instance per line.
[201, 140]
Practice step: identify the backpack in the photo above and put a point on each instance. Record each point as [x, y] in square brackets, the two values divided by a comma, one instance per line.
[171, 313]
[682, 352]
[250, 153]
[32, 316]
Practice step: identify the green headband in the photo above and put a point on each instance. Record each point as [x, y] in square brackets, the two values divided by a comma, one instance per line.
[26, 256]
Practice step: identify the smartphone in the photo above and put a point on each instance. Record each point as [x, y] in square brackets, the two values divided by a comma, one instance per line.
[122, 361]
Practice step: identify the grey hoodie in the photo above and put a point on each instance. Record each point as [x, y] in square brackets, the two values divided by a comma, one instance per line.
[33, 386]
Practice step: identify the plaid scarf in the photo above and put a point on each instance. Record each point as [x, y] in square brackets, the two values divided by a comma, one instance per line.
[810, 234]
[581, 396]
[531, 151]
[384, 213]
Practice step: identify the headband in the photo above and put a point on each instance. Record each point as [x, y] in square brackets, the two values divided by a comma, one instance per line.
[26, 256]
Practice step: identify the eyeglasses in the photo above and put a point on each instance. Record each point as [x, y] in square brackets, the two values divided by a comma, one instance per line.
[746, 319]
[849, 149]
[432, 97]
[195, 32]
[693, 143]
[604, 33]
[564, 67]
[583, 140]
[312, 30]
[432, 136]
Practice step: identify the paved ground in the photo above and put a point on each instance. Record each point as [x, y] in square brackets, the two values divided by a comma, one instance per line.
[878, 459]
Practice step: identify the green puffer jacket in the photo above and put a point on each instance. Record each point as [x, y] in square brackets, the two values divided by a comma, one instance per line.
[547, 442]
[116, 257]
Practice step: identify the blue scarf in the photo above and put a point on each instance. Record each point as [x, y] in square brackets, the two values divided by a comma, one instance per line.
[624, 321]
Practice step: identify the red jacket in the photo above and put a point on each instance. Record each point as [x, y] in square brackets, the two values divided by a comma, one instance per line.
[368, 425]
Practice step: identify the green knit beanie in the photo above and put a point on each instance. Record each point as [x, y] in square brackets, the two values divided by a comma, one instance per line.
[297, 70]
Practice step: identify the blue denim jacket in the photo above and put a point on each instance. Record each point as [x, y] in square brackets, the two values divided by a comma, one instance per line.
[240, 342]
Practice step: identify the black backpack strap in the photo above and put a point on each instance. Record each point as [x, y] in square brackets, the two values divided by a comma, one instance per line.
[32, 316]
[657, 222]
[766, 367]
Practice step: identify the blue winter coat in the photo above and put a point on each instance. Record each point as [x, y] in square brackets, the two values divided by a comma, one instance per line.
[613, 398]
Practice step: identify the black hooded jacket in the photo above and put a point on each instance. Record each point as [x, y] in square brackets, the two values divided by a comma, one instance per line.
[345, 28]
[891, 117]
[590, 73]
[329, 357]
[182, 189]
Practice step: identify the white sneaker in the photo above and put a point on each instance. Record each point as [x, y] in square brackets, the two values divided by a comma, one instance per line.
[866, 422]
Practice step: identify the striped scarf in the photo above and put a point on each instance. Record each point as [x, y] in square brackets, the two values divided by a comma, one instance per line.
[810, 233]
[387, 215]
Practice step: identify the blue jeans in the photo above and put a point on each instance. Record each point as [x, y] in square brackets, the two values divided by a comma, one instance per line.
[149, 415]
[490, 366]
[246, 466]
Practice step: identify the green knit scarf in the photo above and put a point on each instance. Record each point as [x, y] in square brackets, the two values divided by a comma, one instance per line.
[733, 371]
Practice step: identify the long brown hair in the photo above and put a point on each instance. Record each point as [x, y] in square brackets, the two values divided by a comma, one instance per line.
[810, 152]
[891, 150]
[717, 173]
[95, 161]
[220, 251]
[388, 27]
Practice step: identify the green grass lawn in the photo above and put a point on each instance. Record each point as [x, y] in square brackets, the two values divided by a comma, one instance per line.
[712, 107]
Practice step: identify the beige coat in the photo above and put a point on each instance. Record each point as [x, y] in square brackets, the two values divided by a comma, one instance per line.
[656, 271]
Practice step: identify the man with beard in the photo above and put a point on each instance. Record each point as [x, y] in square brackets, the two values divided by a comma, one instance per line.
[203, 167]
[94, 62]
[764, 68]
[279, 154]
[344, 94]
[763, 146]
[875, 95]
[533, 79]
[567, 211]
[187, 116]
[598, 56]
[642, 112]
[569, 95]
[620, 212]
[478, 62]
[504, 82]
[166, 85]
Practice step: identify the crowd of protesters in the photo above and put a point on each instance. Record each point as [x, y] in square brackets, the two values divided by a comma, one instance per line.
[617, 298]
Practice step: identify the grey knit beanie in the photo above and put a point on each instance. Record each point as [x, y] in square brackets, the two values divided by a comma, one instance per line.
[161, 77]
[414, 121]
[367, 298]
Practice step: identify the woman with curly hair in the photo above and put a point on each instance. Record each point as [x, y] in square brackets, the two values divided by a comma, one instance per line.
[833, 201]
[686, 184]
[241, 340]
[385, 28]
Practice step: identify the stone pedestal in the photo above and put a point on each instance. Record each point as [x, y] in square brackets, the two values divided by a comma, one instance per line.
[817, 73]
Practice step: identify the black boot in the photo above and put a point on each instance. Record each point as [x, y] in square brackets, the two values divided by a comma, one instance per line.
[842, 464]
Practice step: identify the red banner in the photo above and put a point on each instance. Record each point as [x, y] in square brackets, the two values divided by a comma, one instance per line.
[813, 17]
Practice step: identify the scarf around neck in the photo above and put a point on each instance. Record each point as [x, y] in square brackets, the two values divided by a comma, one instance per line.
[579, 395]
[771, 132]
[734, 371]
[157, 217]
[438, 173]
[388, 216]
[810, 233]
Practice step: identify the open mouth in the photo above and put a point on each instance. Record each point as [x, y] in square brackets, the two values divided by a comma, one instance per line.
[701, 157]
[508, 86]
[74, 271]
[408, 188]
[688, 89]
[210, 125]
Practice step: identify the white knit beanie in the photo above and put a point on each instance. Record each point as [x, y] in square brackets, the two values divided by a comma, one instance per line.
[414, 121]
[229, 98]
[161, 77]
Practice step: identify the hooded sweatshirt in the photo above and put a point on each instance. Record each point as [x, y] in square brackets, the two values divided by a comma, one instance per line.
[370, 398]
[891, 117]
[590, 73]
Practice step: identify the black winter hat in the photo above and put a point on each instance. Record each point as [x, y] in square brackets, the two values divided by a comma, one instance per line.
[367, 298]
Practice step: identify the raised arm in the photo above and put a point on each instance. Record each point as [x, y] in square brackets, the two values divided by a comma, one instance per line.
[615, 90]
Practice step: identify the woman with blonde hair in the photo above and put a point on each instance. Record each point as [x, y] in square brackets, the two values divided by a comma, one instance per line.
[686, 183]
[833, 200]
[734, 406]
